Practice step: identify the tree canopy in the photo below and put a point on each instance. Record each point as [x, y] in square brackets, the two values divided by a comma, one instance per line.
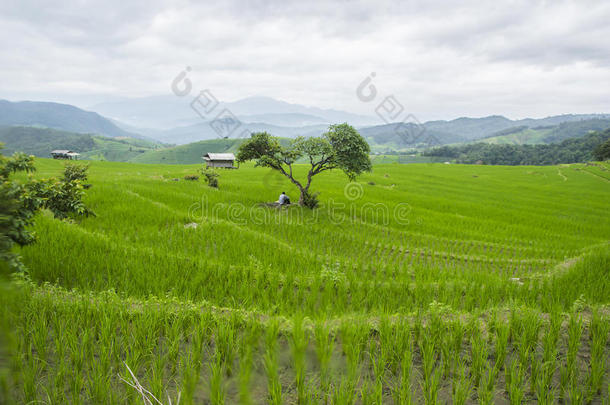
[602, 151]
[341, 147]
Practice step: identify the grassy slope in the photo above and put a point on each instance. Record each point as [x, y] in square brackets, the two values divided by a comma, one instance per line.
[551, 134]
[118, 150]
[41, 141]
[385, 159]
[192, 153]
[187, 154]
[448, 242]
[526, 136]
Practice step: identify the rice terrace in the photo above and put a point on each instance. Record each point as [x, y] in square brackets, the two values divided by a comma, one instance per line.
[490, 286]
[305, 202]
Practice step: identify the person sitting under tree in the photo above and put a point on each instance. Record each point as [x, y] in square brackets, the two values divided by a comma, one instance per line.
[284, 199]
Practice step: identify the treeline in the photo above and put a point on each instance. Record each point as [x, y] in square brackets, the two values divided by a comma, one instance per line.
[567, 130]
[41, 141]
[573, 150]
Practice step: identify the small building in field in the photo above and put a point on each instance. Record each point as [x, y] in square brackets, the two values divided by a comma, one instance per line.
[64, 154]
[224, 160]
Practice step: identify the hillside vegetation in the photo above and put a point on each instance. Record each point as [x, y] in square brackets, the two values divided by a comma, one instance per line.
[190, 153]
[572, 150]
[419, 283]
[41, 141]
[548, 134]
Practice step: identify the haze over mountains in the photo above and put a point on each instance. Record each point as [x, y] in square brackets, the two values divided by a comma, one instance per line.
[166, 112]
[171, 120]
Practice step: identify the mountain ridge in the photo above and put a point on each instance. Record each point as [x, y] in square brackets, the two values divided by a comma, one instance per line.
[58, 116]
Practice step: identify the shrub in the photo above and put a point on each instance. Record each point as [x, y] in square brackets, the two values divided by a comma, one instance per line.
[20, 201]
[211, 177]
[311, 200]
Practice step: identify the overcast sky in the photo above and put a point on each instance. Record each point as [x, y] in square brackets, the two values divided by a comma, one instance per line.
[440, 60]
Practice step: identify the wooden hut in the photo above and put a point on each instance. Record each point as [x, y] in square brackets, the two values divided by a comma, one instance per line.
[224, 160]
[64, 154]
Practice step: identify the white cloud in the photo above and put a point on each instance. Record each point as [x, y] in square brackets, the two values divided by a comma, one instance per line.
[440, 59]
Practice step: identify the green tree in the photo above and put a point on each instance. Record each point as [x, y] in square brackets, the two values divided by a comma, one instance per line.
[341, 147]
[21, 200]
[602, 151]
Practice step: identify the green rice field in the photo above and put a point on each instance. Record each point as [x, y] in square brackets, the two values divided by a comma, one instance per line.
[422, 283]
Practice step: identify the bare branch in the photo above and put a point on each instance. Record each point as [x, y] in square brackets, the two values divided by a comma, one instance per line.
[146, 395]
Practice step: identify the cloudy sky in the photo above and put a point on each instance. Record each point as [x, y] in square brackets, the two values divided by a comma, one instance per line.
[439, 59]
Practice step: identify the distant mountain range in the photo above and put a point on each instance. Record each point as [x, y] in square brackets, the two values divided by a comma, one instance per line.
[167, 112]
[492, 129]
[58, 116]
[146, 118]
[205, 131]
[40, 141]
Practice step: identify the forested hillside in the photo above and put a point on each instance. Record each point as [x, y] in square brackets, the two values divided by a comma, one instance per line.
[41, 141]
[573, 150]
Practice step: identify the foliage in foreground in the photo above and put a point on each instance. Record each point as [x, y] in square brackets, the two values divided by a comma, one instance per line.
[77, 347]
[20, 201]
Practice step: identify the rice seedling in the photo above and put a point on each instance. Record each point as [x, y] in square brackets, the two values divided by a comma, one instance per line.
[247, 349]
[598, 331]
[478, 355]
[226, 344]
[344, 393]
[189, 376]
[353, 336]
[487, 386]
[298, 344]
[324, 342]
[575, 330]
[270, 361]
[544, 389]
[403, 390]
[576, 395]
[515, 380]
[461, 387]
[431, 373]
[217, 379]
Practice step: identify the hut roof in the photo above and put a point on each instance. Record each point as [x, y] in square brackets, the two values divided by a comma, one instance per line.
[219, 156]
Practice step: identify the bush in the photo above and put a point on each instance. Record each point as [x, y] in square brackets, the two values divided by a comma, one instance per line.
[211, 177]
[20, 201]
[75, 171]
[311, 200]
[192, 177]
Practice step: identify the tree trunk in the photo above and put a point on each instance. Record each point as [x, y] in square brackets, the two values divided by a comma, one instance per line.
[302, 196]
[303, 190]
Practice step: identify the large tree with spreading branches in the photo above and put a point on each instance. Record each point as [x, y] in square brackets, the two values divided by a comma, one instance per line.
[341, 147]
